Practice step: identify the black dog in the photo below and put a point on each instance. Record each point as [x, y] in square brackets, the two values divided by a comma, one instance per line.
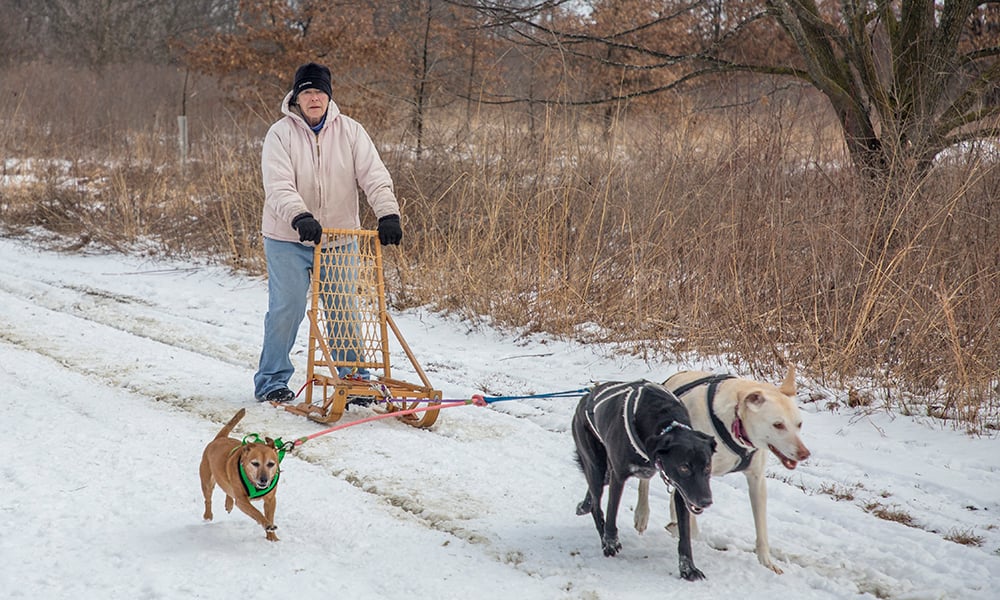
[639, 428]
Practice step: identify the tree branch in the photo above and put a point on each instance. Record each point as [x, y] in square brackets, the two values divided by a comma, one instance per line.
[718, 69]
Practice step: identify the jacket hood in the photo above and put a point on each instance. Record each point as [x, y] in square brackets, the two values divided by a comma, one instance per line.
[332, 111]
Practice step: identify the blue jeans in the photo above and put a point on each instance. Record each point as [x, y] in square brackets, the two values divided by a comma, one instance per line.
[289, 270]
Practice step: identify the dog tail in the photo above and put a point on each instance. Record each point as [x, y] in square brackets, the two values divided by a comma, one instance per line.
[228, 427]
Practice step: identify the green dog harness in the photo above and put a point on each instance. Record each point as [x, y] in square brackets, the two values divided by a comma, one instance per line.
[253, 491]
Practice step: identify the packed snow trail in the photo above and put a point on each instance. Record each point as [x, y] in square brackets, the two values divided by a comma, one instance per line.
[117, 370]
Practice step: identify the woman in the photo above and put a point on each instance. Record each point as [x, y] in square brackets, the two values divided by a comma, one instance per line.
[313, 161]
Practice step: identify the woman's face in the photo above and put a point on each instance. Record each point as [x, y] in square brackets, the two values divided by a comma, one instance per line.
[313, 104]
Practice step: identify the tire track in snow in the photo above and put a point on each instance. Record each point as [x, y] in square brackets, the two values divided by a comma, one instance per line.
[133, 315]
[85, 309]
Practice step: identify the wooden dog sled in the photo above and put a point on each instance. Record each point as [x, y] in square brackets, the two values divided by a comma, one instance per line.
[349, 331]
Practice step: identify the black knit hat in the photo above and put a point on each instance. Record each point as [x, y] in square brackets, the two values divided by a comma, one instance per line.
[312, 75]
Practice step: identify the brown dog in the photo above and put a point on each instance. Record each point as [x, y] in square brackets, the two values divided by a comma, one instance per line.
[245, 471]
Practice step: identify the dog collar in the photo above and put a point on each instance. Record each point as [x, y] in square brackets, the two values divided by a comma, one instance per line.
[671, 486]
[252, 490]
[673, 425]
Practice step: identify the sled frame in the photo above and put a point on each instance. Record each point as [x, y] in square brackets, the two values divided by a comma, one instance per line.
[349, 327]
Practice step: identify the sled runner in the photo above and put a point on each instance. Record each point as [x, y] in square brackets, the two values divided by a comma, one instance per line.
[349, 336]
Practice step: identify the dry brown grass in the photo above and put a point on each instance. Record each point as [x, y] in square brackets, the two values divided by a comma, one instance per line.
[729, 232]
[890, 514]
[837, 492]
[965, 537]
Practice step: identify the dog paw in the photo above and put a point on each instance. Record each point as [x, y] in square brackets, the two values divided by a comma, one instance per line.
[612, 547]
[270, 529]
[689, 572]
[640, 523]
[772, 566]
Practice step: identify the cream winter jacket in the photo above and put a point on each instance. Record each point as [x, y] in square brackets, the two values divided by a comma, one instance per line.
[320, 174]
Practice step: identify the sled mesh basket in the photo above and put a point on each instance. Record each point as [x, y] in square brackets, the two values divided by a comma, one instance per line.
[348, 302]
[349, 328]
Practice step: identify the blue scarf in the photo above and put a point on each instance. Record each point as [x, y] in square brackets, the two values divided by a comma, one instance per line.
[318, 126]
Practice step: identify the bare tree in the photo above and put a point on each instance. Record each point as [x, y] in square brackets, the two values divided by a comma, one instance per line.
[98, 33]
[433, 42]
[268, 40]
[413, 53]
[898, 75]
[21, 30]
[903, 78]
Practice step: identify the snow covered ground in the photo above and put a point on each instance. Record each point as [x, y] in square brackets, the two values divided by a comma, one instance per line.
[115, 371]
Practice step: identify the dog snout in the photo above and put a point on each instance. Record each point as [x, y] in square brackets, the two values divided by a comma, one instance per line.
[698, 496]
[802, 453]
[699, 506]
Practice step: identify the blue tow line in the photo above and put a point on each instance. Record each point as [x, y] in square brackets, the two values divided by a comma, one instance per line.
[566, 394]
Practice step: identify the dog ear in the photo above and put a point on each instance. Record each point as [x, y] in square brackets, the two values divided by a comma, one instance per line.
[788, 385]
[710, 439]
[268, 441]
[754, 400]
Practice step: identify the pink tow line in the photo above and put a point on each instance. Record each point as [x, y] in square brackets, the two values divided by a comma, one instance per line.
[476, 399]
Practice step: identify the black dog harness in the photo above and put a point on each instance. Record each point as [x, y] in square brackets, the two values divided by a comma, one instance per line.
[712, 381]
[629, 406]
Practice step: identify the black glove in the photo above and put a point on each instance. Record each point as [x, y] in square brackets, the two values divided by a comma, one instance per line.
[389, 231]
[309, 228]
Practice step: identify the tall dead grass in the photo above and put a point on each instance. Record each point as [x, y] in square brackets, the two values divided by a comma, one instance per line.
[95, 160]
[741, 236]
[733, 232]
